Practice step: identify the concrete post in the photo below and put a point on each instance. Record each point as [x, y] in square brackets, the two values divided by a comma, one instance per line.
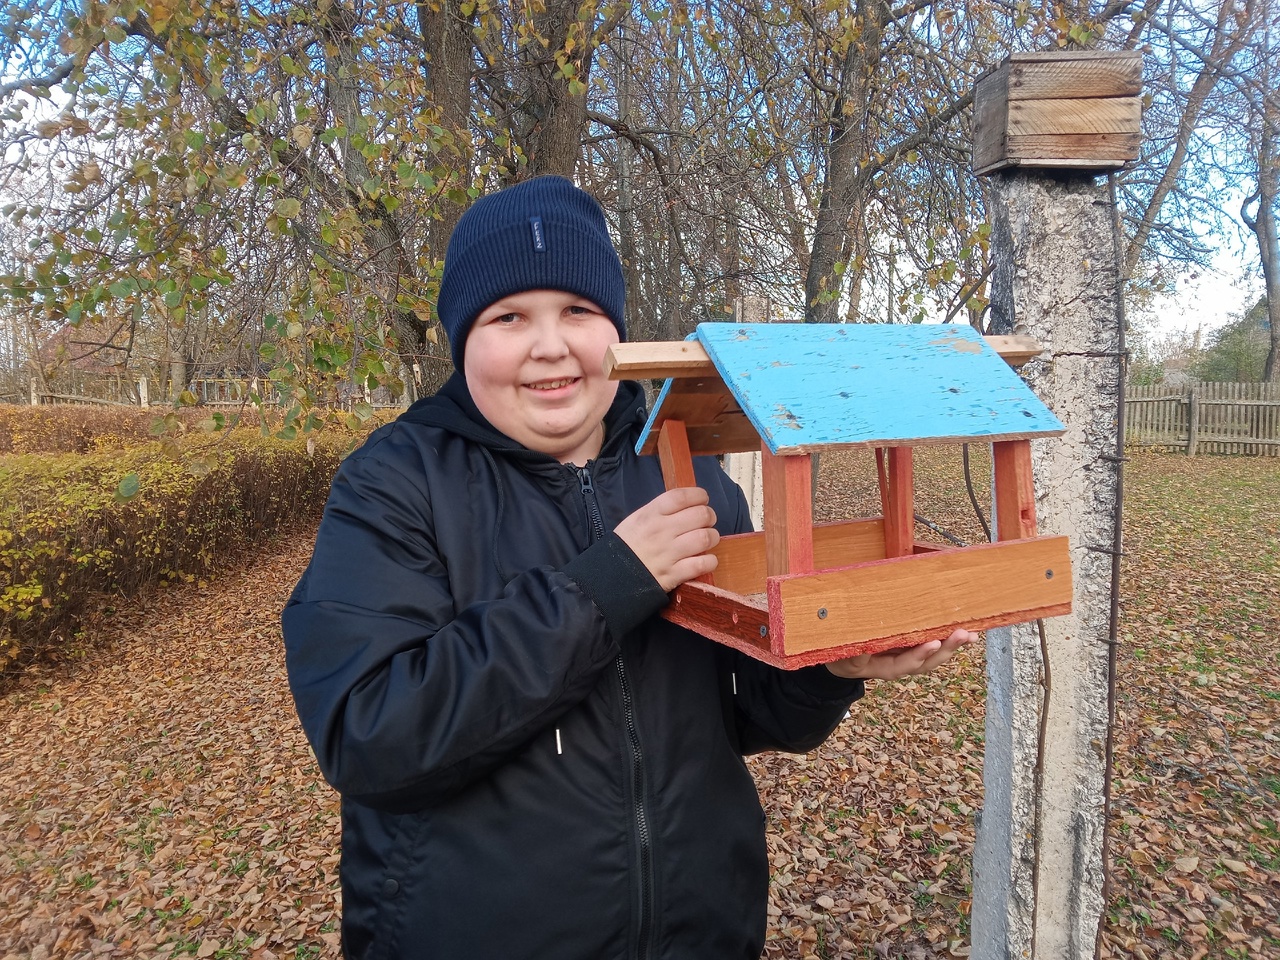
[1038, 862]
[744, 470]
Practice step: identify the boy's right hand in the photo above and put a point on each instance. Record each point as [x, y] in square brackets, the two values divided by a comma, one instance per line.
[672, 534]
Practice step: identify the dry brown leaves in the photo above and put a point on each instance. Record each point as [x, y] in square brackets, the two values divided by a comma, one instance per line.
[1196, 808]
[160, 800]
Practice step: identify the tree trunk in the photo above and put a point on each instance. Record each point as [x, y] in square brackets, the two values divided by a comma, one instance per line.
[628, 252]
[447, 43]
[557, 65]
[1264, 224]
[382, 235]
[848, 144]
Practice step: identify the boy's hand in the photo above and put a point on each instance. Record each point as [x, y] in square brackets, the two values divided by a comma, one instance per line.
[908, 661]
[671, 535]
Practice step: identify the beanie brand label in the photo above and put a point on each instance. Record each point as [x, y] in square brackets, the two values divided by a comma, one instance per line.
[539, 241]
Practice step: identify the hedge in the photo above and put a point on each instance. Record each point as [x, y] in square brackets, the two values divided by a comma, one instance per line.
[68, 428]
[74, 534]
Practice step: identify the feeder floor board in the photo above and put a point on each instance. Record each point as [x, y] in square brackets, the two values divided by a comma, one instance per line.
[882, 605]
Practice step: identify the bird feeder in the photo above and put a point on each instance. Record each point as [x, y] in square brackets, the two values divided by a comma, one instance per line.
[1069, 110]
[798, 593]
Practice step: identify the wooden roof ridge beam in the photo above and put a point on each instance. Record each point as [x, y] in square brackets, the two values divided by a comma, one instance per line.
[1015, 349]
[664, 359]
[657, 360]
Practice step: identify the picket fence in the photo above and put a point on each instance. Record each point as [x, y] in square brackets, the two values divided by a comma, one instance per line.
[1231, 418]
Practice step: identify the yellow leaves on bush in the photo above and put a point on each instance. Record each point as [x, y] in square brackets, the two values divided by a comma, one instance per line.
[81, 429]
[77, 528]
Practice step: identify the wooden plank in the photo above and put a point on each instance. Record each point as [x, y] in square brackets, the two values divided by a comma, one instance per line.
[742, 559]
[673, 454]
[1015, 349]
[1078, 116]
[661, 360]
[1056, 163]
[1015, 492]
[788, 513]
[1040, 148]
[901, 600]
[657, 360]
[713, 420]
[990, 119]
[897, 500]
[733, 435]
[1078, 74]
[1193, 421]
[728, 618]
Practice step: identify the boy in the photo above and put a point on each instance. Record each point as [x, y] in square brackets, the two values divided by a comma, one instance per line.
[532, 763]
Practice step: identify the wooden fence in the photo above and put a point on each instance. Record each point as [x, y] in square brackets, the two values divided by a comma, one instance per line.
[1233, 418]
[228, 392]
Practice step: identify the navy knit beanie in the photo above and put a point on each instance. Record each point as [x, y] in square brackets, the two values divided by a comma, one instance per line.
[542, 234]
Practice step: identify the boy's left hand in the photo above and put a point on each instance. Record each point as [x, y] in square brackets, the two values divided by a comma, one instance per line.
[906, 662]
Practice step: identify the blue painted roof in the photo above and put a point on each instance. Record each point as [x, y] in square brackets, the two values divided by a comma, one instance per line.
[806, 386]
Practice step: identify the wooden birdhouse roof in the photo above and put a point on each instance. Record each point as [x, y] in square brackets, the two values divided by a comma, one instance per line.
[802, 387]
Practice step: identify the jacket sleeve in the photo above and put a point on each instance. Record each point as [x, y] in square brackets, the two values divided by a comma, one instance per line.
[790, 710]
[404, 698]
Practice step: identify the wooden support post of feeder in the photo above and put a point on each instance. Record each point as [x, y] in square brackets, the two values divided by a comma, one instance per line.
[677, 463]
[673, 454]
[1014, 490]
[1044, 125]
[897, 500]
[788, 528]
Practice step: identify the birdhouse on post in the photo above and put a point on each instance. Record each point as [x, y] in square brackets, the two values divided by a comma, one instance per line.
[796, 593]
[1076, 110]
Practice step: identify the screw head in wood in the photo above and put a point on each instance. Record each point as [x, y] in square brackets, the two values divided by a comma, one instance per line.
[1048, 574]
[822, 613]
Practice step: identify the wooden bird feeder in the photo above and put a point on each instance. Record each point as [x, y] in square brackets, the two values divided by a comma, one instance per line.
[796, 593]
[1079, 109]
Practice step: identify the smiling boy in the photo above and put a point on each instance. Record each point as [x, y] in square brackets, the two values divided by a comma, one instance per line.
[532, 763]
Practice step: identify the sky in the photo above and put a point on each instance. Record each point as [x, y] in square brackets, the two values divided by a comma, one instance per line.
[1208, 300]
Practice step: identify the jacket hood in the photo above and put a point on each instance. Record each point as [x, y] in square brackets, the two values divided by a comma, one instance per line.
[453, 409]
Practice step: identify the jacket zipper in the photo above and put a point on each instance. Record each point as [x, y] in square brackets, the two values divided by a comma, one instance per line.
[639, 813]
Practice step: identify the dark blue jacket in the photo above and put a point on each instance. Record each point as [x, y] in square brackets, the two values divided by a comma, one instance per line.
[532, 763]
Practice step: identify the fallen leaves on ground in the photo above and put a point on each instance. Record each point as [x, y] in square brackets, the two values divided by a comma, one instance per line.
[159, 800]
[1196, 789]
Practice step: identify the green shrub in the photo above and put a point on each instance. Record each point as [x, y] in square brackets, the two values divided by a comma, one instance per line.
[71, 536]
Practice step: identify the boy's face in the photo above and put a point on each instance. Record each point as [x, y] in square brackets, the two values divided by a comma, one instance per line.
[534, 363]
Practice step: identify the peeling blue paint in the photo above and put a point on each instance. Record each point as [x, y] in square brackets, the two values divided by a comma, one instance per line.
[813, 385]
